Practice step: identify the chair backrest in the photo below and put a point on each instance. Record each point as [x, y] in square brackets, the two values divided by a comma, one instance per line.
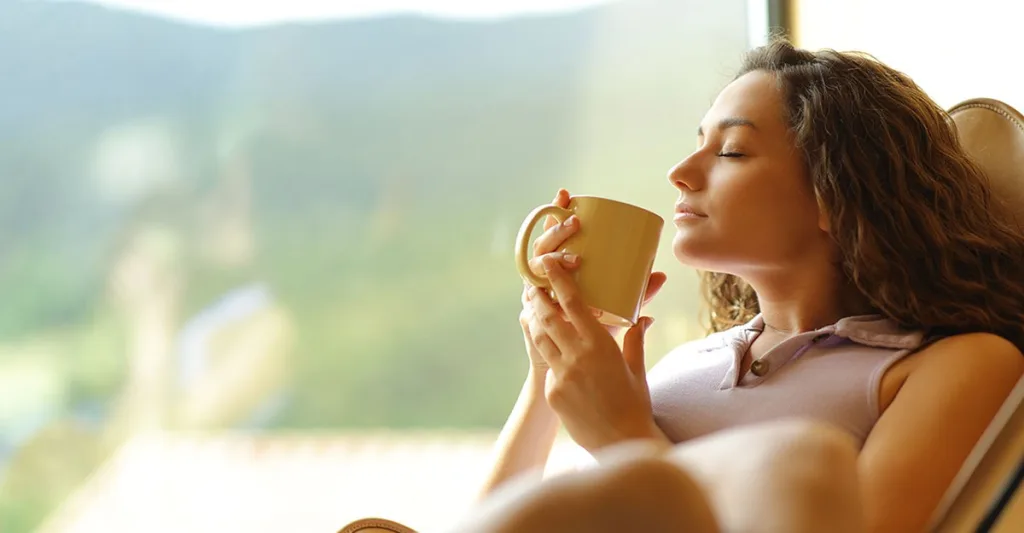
[987, 494]
[992, 132]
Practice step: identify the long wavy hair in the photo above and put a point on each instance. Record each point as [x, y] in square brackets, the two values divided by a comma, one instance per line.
[918, 232]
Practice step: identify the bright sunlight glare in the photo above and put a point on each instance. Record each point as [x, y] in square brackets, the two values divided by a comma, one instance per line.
[259, 12]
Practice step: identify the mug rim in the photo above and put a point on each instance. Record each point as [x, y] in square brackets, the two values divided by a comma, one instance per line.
[627, 204]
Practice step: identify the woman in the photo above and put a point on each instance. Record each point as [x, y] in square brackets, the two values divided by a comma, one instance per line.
[859, 277]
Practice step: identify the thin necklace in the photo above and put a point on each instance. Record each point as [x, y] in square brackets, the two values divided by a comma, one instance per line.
[760, 366]
[777, 330]
[786, 331]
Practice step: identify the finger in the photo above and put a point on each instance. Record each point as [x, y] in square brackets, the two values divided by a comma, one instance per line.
[633, 346]
[549, 317]
[568, 261]
[545, 345]
[654, 285]
[569, 297]
[561, 200]
[554, 236]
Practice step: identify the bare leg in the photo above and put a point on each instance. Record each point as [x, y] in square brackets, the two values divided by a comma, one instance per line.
[633, 491]
[790, 476]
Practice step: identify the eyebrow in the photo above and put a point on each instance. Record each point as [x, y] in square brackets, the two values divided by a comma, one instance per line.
[730, 122]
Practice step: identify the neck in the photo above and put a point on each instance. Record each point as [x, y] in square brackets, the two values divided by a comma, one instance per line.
[800, 300]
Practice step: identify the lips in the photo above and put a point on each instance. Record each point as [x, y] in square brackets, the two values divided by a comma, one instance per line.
[684, 209]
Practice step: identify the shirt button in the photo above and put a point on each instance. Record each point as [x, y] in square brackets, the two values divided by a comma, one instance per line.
[759, 367]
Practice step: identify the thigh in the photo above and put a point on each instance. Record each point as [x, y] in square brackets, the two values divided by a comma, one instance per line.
[632, 490]
[787, 477]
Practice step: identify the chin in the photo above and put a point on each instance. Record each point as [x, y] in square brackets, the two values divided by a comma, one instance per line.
[702, 252]
[691, 252]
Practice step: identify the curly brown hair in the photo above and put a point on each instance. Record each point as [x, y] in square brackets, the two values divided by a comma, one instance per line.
[918, 231]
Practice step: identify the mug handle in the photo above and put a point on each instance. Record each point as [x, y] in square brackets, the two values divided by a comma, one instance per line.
[523, 242]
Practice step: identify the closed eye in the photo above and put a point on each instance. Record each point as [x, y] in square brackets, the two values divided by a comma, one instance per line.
[730, 154]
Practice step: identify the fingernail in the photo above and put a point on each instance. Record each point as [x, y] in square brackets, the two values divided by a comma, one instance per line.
[569, 221]
[547, 263]
[650, 322]
[570, 258]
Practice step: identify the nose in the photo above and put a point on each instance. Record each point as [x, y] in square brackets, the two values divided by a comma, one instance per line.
[687, 174]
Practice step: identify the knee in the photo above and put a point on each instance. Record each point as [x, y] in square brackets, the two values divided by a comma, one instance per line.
[815, 467]
[786, 447]
[809, 452]
[790, 475]
[633, 494]
[817, 435]
[648, 493]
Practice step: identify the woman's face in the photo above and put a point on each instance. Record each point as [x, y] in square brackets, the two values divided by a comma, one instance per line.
[754, 205]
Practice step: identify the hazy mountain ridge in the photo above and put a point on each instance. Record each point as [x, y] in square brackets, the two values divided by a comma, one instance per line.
[366, 143]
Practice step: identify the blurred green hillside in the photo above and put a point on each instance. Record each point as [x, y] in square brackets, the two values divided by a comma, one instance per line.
[374, 172]
[389, 160]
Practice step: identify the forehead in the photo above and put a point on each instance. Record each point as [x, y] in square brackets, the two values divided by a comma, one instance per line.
[754, 96]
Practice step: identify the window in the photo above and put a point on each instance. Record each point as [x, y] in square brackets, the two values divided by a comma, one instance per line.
[238, 246]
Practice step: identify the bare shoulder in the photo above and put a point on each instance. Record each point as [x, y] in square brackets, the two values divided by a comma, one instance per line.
[969, 357]
[951, 389]
[973, 353]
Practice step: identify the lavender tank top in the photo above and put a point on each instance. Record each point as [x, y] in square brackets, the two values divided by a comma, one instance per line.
[831, 374]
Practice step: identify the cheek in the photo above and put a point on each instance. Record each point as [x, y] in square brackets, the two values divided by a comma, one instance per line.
[750, 225]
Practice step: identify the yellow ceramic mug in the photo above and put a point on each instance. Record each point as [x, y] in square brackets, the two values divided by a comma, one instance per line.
[617, 243]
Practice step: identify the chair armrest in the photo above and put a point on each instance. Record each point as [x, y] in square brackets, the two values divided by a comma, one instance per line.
[987, 476]
[375, 525]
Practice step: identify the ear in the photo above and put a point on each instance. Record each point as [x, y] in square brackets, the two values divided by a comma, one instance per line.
[824, 222]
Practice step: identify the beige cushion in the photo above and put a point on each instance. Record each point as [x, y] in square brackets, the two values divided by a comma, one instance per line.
[992, 132]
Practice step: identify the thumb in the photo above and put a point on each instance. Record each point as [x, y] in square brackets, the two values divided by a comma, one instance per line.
[633, 346]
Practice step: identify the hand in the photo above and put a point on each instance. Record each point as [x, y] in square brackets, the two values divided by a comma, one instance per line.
[598, 390]
[546, 245]
[654, 284]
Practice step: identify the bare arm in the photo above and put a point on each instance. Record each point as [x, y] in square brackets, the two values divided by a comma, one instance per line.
[924, 435]
[525, 441]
